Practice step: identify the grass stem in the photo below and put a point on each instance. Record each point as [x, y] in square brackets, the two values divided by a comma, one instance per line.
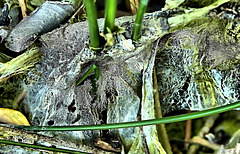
[110, 13]
[139, 18]
[164, 120]
[92, 23]
[93, 67]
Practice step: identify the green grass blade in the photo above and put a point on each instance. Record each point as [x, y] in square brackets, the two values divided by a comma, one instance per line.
[38, 147]
[93, 67]
[92, 22]
[139, 18]
[110, 13]
[97, 72]
[170, 119]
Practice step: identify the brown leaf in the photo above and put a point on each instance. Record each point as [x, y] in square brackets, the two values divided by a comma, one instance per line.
[10, 116]
[106, 146]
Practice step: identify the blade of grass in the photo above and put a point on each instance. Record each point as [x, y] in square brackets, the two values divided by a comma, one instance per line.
[97, 72]
[94, 80]
[92, 23]
[110, 13]
[38, 147]
[170, 119]
[93, 67]
[139, 18]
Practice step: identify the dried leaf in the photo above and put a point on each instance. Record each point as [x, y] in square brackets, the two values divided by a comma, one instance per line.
[106, 146]
[21, 63]
[134, 6]
[11, 116]
[43, 20]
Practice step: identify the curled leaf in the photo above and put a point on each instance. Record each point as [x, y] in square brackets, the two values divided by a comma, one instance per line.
[43, 20]
[10, 116]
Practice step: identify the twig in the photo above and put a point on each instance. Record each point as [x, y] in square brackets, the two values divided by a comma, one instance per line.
[162, 133]
[23, 8]
[204, 130]
[188, 131]
[205, 143]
